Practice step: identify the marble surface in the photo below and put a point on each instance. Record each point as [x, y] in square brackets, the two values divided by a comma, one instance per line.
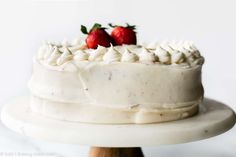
[213, 119]
[220, 146]
[12, 144]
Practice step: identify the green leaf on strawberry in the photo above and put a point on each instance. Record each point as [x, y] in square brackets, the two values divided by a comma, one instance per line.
[84, 29]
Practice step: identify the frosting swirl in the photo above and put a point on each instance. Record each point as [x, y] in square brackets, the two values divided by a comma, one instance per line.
[128, 56]
[163, 55]
[198, 61]
[66, 56]
[177, 57]
[146, 56]
[167, 53]
[112, 55]
[81, 55]
[189, 46]
[166, 46]
[97, 54]
[54, 56]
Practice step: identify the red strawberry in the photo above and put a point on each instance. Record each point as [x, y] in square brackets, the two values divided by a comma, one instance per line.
[97, 36]
[123, 35]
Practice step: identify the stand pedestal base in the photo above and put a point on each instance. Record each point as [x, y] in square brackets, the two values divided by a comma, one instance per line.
[115, 152]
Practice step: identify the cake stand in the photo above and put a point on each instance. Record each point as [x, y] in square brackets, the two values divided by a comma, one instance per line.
[123, 140]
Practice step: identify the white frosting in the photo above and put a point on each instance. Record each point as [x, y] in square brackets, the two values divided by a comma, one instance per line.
[97, 55]
[66, 56]
[112, 55]
[126, 87]
[198, 61]
[189, 46]
[81, 55]
[54, 56]
[163, 55]
[167, 53]
[177, 57]
[146, 56]
[174, 45]
[131, 47]
[108, 115]
[166, 46]
[84, 83]
[128, 56]
[75, 48]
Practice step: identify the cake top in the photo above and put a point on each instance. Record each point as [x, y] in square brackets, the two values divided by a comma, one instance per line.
[98, 47]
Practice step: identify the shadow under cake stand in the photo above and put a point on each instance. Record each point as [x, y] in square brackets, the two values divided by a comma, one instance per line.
[123, 140]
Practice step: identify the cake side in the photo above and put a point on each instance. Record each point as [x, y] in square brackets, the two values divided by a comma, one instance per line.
[120, 84]
[108, 115]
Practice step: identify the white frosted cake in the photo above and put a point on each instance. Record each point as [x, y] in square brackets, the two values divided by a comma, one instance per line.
[93, 81]
[120, 84]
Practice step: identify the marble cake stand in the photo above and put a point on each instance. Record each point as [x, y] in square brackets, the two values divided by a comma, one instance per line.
[213, 119]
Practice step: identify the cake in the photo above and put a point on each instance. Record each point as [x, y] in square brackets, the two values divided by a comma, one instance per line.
[120, 84]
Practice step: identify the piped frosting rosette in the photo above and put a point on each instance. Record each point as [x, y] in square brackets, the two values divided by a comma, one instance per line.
[183, 53]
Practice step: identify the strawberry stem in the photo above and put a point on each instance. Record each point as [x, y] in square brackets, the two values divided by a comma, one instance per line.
[133, 27]
[96, 25]
[111, 25]
[130, 26]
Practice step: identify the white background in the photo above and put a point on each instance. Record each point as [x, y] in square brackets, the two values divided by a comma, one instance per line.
[211, 24]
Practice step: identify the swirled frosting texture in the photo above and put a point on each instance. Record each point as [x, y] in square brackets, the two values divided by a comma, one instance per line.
[182, 54]
[112, 55]
[128, 56]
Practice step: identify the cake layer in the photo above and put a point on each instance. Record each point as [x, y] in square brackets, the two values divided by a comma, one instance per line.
[100, 114]
[118, 85]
